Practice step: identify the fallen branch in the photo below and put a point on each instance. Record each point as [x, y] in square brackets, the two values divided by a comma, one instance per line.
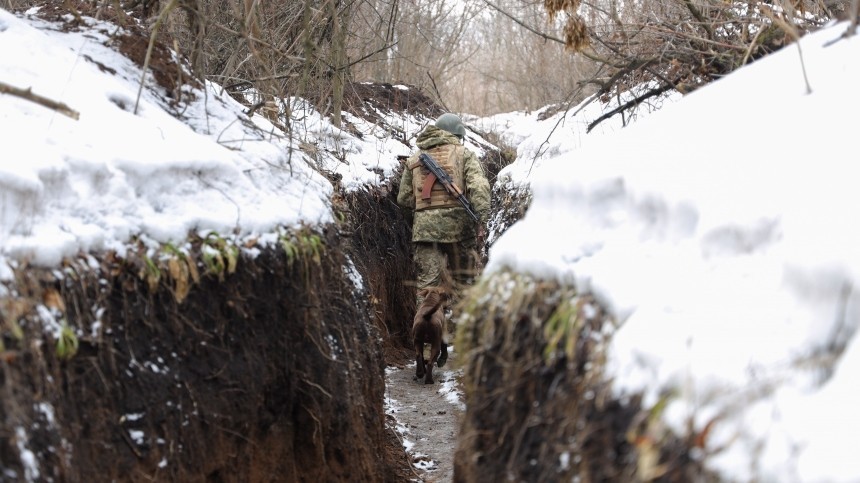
[42, 101]
[629, 104]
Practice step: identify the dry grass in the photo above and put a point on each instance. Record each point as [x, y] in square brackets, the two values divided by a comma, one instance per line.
[539, 407]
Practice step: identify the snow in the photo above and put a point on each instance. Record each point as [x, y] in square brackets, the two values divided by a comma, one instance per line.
[28, 459]
[91, 184]
[202, 166]
[717, 230]
[563, 131]
[48, 411]
[131, 417]
[449, 388]
[137, 436]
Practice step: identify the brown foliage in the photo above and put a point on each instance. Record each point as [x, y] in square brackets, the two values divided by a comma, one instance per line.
[553, 7]
[575, 34]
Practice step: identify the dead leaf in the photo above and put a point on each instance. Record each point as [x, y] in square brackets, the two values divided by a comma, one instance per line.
[53, 300]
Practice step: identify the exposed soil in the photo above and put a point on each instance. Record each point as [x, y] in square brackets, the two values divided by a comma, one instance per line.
[133, 41]
[539, 407]
[372, 100]
[270, 373]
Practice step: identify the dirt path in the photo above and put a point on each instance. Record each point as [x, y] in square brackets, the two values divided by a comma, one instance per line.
[427, 417]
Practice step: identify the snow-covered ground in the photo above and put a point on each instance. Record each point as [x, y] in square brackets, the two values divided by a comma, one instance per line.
[718, 231]
[162, 172]
[426, 417]
[93, 183]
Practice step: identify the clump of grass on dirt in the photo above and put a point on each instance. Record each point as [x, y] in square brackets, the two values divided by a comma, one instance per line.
[539, 405]
[270, 368]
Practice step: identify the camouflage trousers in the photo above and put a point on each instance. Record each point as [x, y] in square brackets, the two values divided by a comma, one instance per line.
[452, 265]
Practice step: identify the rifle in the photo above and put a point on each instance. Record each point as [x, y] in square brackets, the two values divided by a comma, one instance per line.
[437, 173]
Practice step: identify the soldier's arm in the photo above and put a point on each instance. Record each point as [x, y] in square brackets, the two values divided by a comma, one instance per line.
[477, 185]
[405, 197]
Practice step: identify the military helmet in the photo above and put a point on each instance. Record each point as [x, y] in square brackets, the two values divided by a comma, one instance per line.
[452, 124]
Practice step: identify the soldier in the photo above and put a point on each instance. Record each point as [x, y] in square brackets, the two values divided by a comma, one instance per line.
[443, 234]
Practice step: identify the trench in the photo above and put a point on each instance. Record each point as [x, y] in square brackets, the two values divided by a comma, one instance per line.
[426, 417]
[270, 366]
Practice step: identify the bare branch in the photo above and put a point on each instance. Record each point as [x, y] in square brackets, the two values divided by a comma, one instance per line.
[161, 17]
[523, 24]
[42, 101]
[436, 90]
[629, 104]
[703, 22]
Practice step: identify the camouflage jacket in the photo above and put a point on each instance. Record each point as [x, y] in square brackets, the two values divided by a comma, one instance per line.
[446, 225]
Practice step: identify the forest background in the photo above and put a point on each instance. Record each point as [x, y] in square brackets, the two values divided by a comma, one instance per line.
[479, 57]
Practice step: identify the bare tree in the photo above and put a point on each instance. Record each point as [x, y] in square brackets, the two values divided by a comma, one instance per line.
[340, 19]
[416, 42]
[475, 56]
[267, 52]
[520, 63]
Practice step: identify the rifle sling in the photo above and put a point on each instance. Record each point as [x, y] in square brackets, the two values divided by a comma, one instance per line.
[428, 185]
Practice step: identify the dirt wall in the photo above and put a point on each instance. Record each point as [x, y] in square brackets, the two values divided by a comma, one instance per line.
[380, 245]
[271, 373]
[538, 403]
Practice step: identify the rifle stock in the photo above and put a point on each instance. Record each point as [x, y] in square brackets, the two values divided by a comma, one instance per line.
[448, 183]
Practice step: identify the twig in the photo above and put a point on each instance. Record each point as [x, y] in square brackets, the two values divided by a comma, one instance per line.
[384, 47]
[250, 82]
[751, 47]
[161, 17]
[692, 37]
[697, 14]
[523, 24]
[791, 31]
[589, 55]
[803, 67]
[405, 453]
[628, 104]
[436, 90]
[320, 388]
[130, 443]
[42, 101]
[283, 55]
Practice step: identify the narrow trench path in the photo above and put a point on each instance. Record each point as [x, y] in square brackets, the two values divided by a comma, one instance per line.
[427, 416]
